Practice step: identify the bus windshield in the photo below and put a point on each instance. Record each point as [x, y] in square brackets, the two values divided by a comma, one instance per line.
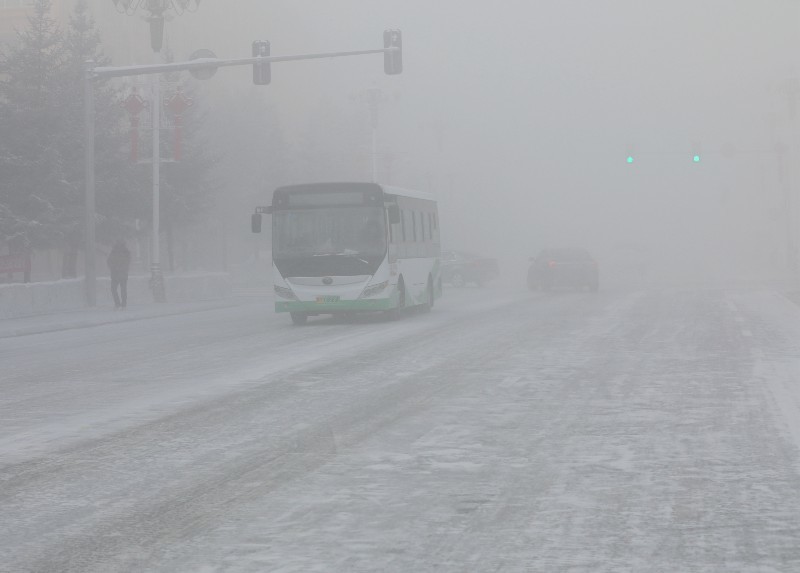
[357, 232]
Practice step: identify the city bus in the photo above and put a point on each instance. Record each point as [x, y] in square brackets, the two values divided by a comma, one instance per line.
[340, 248]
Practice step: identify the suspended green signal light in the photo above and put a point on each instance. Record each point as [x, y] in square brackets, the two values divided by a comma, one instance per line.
[630, 159]
[696, 158]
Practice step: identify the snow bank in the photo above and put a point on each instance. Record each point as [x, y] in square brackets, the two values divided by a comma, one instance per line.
[41, 298]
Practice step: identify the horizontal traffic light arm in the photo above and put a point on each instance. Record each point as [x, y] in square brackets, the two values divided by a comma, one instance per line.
[206, 63]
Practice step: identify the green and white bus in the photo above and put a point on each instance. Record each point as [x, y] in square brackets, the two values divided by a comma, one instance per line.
[353, 247]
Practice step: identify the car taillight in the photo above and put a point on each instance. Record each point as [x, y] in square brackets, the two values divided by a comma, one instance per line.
[552, 264]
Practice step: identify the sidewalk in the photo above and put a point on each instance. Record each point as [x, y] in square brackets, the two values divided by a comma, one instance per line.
[98, 316]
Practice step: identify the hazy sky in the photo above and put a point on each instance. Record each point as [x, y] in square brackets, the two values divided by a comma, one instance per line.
[520, 114]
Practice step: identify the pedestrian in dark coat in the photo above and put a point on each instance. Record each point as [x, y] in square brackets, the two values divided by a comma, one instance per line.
[119, 262]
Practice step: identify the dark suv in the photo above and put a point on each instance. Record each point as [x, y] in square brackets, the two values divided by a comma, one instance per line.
[459, 268]
[563, 268]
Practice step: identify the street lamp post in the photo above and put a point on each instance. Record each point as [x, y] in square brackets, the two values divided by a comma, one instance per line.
[90, 271]
[156, 275]
[156, 9]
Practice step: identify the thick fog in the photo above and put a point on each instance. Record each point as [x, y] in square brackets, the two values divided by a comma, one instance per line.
[520, 117]
[340, 392]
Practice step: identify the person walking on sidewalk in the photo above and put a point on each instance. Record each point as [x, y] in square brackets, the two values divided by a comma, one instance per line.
[119, 262]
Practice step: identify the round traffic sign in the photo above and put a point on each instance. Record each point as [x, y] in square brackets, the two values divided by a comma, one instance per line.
[203, 73]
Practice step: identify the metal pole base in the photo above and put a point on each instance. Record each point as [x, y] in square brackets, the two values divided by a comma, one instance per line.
[157, 283]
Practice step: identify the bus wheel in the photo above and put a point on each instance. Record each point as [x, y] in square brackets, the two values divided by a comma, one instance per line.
[299, 318]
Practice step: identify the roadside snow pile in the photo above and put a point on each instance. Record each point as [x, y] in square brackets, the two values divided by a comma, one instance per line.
[41, 298]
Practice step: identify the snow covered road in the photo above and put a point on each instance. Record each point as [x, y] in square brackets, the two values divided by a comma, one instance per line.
[626, 431]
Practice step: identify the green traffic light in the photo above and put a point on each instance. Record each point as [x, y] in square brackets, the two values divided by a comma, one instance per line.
[630, 159]
[696, 159]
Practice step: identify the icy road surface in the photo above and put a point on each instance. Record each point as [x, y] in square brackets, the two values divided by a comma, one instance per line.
[626, 431]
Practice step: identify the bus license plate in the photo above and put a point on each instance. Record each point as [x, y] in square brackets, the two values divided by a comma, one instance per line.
[327, 299]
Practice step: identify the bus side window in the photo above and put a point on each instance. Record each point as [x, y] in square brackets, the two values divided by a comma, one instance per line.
[430, 235]
[402, 250]
[423, 248]
[421, 228]
[429, 244]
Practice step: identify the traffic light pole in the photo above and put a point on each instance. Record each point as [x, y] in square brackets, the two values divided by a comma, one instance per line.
[90, 278]
[212, 63]
[393, 65]
[156, 275]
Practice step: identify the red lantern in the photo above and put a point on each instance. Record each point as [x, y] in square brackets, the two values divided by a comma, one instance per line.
[177, 105]
[134, 105]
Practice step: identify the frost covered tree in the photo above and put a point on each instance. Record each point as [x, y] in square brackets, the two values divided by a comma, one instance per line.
[119, 195]
[31, 166]
[41, 152]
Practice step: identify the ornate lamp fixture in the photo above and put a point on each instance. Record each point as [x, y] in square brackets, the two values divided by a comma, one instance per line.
[156, 10]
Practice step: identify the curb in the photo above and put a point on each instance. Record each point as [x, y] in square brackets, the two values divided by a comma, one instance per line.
[28, 331]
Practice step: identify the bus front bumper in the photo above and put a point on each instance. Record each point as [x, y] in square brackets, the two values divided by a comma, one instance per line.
[312, 307]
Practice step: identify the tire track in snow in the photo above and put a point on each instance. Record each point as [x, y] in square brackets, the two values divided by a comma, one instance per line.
[134, 508]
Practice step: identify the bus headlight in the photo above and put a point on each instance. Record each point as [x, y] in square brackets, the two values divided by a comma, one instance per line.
[374, 289]
[284, 292]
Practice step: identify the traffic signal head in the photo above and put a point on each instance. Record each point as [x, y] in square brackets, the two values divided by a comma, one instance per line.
[630, 159]
[393, 59]
[697, 151]
[262, 71]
